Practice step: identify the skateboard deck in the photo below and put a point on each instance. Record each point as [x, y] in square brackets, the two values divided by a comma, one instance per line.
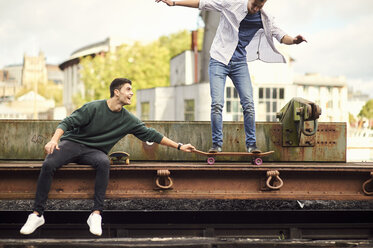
[256, 158]
[119, 158]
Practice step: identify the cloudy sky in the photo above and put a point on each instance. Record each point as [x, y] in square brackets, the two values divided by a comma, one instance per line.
[339, 32]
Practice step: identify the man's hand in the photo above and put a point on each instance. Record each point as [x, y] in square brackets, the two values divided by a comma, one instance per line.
[299, 39]
[289, 40]
[50, 146]
[187, 148]
[168, 2]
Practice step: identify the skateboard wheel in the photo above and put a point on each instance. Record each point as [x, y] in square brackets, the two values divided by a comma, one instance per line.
[210, 160]
[258, 161]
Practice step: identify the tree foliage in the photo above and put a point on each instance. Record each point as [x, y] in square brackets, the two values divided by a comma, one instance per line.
[351, 119]
[146, 65]
[367, 110]
[49, 91]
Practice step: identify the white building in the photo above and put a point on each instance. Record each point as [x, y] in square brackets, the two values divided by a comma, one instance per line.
[28, 106]
[330, 93]
[13, 74]
[72, 84]
[273, 86]
[356, 101]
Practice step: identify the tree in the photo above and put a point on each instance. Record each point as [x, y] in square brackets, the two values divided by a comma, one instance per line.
[146, 65]
[367, 110]
[49, 91]
[179, 42]
[351, 119]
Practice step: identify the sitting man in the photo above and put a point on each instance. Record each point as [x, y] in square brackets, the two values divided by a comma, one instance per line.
[87, 135]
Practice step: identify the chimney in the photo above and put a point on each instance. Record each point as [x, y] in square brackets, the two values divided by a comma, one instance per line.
[195, 51]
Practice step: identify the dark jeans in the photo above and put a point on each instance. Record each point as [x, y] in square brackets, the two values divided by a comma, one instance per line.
[71, 152]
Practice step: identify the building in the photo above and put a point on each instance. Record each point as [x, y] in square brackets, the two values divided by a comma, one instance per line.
[13, 74]
[186, 100]
[330, 93]
[274, 84]
[54, 74]
[31, 75]
[72, 84]
[28, 106]
[356, 101]
[34, 71]
[10, 82]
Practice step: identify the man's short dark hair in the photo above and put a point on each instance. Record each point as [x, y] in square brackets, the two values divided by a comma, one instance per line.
[118, 84]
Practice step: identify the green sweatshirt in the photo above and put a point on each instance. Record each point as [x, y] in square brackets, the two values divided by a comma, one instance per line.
[95, 125]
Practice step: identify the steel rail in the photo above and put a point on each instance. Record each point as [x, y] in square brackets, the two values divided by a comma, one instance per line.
[349, 181]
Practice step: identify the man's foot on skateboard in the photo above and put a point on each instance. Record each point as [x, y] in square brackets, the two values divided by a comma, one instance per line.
[215, 149]
[253, 149]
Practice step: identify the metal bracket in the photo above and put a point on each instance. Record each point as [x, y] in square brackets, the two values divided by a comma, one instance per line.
[163, 180]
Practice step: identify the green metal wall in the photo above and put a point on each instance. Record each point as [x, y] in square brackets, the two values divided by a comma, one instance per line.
[25, 140]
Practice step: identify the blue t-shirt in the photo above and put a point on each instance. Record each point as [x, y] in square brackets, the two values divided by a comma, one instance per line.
[248, 28]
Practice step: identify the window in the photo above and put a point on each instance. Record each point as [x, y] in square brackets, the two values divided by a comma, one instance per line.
[329, 104]
[261, 93]
[229, 107]
[229, 94]
[145, 111]
[235, 94]
[271, 99]
[189, 110]
[233, 105]
[282, 93]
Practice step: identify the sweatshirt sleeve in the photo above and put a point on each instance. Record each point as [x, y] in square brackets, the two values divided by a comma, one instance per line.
[78, 118]
[146, 134]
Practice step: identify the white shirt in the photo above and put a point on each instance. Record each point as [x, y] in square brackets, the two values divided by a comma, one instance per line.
[226, 38]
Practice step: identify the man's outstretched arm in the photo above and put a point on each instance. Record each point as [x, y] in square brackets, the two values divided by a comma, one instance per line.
[170, 143]
[288, 40]
[184, 3]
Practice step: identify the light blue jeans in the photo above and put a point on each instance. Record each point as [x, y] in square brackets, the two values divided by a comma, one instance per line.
[239, 73]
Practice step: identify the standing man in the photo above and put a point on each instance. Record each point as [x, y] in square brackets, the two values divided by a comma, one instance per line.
[245, 33]
[87, 135]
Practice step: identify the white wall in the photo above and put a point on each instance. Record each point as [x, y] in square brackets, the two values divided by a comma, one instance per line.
[167, 103]
[182, 68]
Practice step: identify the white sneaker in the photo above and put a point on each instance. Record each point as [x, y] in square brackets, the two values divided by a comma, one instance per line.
[33, 222]
[94, 223]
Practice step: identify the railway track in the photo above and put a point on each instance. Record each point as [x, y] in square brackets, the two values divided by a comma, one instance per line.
[322, 228]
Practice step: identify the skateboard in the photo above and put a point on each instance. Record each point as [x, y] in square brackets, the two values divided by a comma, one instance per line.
[256, 158]
[119, 158]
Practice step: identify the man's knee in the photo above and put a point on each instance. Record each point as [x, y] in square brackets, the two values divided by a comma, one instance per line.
[248, 107]
[216, 108]
[49, 166]
[103, 163]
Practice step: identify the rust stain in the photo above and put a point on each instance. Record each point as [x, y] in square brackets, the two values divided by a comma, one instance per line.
[150, 150]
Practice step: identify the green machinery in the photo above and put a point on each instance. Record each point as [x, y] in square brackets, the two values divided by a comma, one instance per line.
[295, 117]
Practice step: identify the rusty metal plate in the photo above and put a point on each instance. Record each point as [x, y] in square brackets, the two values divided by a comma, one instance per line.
[220, 182]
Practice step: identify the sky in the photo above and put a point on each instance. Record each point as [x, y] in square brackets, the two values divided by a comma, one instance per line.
[339, 32]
